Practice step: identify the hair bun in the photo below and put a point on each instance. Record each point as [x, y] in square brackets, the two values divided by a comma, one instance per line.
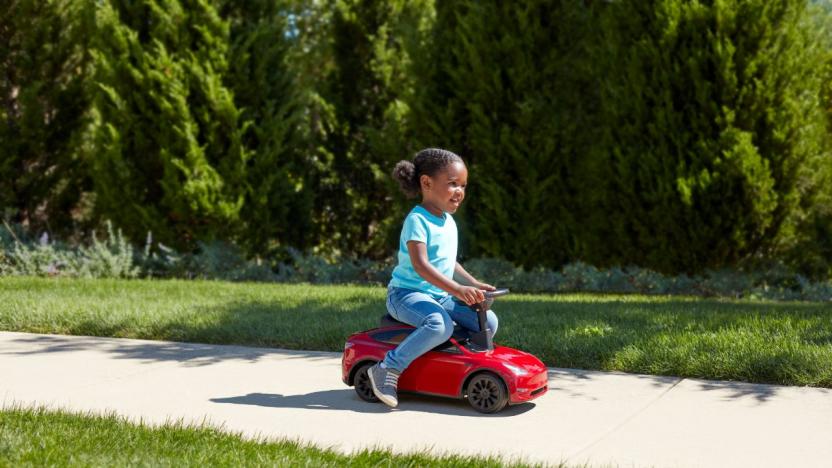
[405, 174]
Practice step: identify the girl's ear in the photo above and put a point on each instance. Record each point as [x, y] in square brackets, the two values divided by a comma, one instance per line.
[425, 181]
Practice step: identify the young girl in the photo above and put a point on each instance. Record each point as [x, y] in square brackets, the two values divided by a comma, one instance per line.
[428, 276]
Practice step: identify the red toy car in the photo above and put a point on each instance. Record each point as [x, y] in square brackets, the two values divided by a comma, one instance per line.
[468, 365]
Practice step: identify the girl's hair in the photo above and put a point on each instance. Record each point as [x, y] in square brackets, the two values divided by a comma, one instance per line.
[426, 162]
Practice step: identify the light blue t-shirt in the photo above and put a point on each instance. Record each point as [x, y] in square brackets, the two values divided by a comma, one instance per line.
[439, 236]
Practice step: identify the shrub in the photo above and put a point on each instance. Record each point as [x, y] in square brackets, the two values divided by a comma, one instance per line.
[225, 261]
[711, 112]
[494, 270]
[316, 269]
[115, 258]
[111, 258]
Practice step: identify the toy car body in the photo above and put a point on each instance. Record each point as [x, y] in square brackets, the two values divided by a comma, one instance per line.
[462, 367]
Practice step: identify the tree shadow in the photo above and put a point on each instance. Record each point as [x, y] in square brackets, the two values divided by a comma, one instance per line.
[187, 354]
[347, 400]
[762, 393]
[568, 381]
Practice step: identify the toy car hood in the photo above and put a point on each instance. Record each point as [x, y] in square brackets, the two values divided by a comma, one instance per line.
[517, 358]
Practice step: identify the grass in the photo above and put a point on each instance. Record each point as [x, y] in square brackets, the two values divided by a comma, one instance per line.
[45, 438]
[752, 341]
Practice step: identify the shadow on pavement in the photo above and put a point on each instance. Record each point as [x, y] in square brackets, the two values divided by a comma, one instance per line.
[566, 381]
[569, 382]
[189, 354]
[738, 390]
[347, 400]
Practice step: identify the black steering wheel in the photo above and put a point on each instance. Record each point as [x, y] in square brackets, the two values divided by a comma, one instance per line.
[489, 299]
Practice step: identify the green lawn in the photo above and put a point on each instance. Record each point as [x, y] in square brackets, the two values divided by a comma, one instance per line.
[34, 437]
[769, 342]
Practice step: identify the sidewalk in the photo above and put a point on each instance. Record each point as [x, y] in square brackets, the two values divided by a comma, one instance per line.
[586, 417]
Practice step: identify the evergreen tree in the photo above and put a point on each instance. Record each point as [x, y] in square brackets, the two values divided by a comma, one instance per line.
[709, 112]
[169, 155]
[279, 192]
[42, 111]
[360, 112]
[805, 242]
[506, 89]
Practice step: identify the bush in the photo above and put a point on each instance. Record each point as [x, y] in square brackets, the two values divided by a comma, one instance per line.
[495, 271]
[115, 258]
[315, 269]
[712, 113]
[225, 261]
[111, 258]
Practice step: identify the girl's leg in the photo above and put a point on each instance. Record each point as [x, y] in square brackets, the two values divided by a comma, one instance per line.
[433, 326]
[466, 316]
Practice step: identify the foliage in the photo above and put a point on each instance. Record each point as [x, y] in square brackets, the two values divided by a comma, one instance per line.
[778, 283]
[43, 109]
[224, 261]
[110, 258]
[362, 83]
[277, 210]
[168, 154]
[681, 137]
[709, 112]
[114, 257]
[314, 269]
[500, 88]
[807, 241]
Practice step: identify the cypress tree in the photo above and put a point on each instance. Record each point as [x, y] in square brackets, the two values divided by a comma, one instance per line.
[709, 111]
[43, 108]
[169, 155]
[361, 113]
[805, 242]
[279, 194]
[506, 89]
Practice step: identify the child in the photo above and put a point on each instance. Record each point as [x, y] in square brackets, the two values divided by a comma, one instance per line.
[425, 281]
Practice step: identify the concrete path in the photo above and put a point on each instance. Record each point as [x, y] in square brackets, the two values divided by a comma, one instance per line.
[587, 417]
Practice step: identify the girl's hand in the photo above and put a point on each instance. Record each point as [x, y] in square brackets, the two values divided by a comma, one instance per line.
[469, 295]
[485, 286]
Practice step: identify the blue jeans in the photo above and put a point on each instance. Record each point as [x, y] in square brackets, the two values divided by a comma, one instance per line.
[434, 321]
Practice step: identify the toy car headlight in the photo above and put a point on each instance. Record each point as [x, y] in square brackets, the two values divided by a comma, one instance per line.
[348, 345]
[516, 370]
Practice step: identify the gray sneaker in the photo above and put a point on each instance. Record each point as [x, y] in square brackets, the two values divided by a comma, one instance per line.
[384, 382]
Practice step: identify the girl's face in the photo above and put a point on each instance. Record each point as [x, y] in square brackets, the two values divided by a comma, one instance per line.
[445, 191]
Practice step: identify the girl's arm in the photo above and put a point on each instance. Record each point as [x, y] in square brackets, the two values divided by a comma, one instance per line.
[467, 278]
[419, 258]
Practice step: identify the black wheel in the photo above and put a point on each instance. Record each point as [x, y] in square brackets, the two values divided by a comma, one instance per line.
[362, 383]
[486, 393]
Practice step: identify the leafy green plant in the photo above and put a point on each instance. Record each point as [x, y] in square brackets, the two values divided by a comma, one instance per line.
[114, 257]
[223, 260]
[316, 269]
[711, 111]
[108, 258]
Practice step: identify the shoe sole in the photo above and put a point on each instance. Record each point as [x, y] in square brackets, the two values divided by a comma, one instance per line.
[384, 398]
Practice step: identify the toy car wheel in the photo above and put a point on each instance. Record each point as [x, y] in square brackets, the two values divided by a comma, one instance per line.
[362, 383]
[486, 393]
